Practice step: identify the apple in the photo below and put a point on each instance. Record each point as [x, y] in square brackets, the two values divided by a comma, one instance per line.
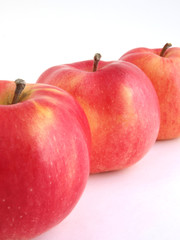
[121, 106]
[162, 66]
[44, 157]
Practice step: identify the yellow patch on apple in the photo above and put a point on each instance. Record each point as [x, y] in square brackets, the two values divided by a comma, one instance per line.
[129, 116]
[43, 121]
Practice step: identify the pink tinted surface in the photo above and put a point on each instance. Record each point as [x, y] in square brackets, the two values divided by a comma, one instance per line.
[139, 203]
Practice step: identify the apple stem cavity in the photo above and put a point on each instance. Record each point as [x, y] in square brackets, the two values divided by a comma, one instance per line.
[97, 58]
[166, 46]
[20, 85]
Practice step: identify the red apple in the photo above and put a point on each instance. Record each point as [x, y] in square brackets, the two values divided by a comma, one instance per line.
[162, 66]
[121, 106]
[44, 158]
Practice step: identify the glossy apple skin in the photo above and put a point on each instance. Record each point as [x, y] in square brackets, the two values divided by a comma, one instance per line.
[164, 73]
[121, 106]
[44, 159]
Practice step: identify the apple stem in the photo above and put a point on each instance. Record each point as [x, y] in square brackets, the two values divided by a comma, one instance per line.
[97, 57]
[166, 46]
[20, 85]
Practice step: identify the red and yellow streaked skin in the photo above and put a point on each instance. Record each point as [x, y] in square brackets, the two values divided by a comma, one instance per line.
[44, 159]
[164, 73]
[121, 106]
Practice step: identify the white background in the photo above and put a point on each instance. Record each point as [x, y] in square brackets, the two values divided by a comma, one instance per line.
[143, 201]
